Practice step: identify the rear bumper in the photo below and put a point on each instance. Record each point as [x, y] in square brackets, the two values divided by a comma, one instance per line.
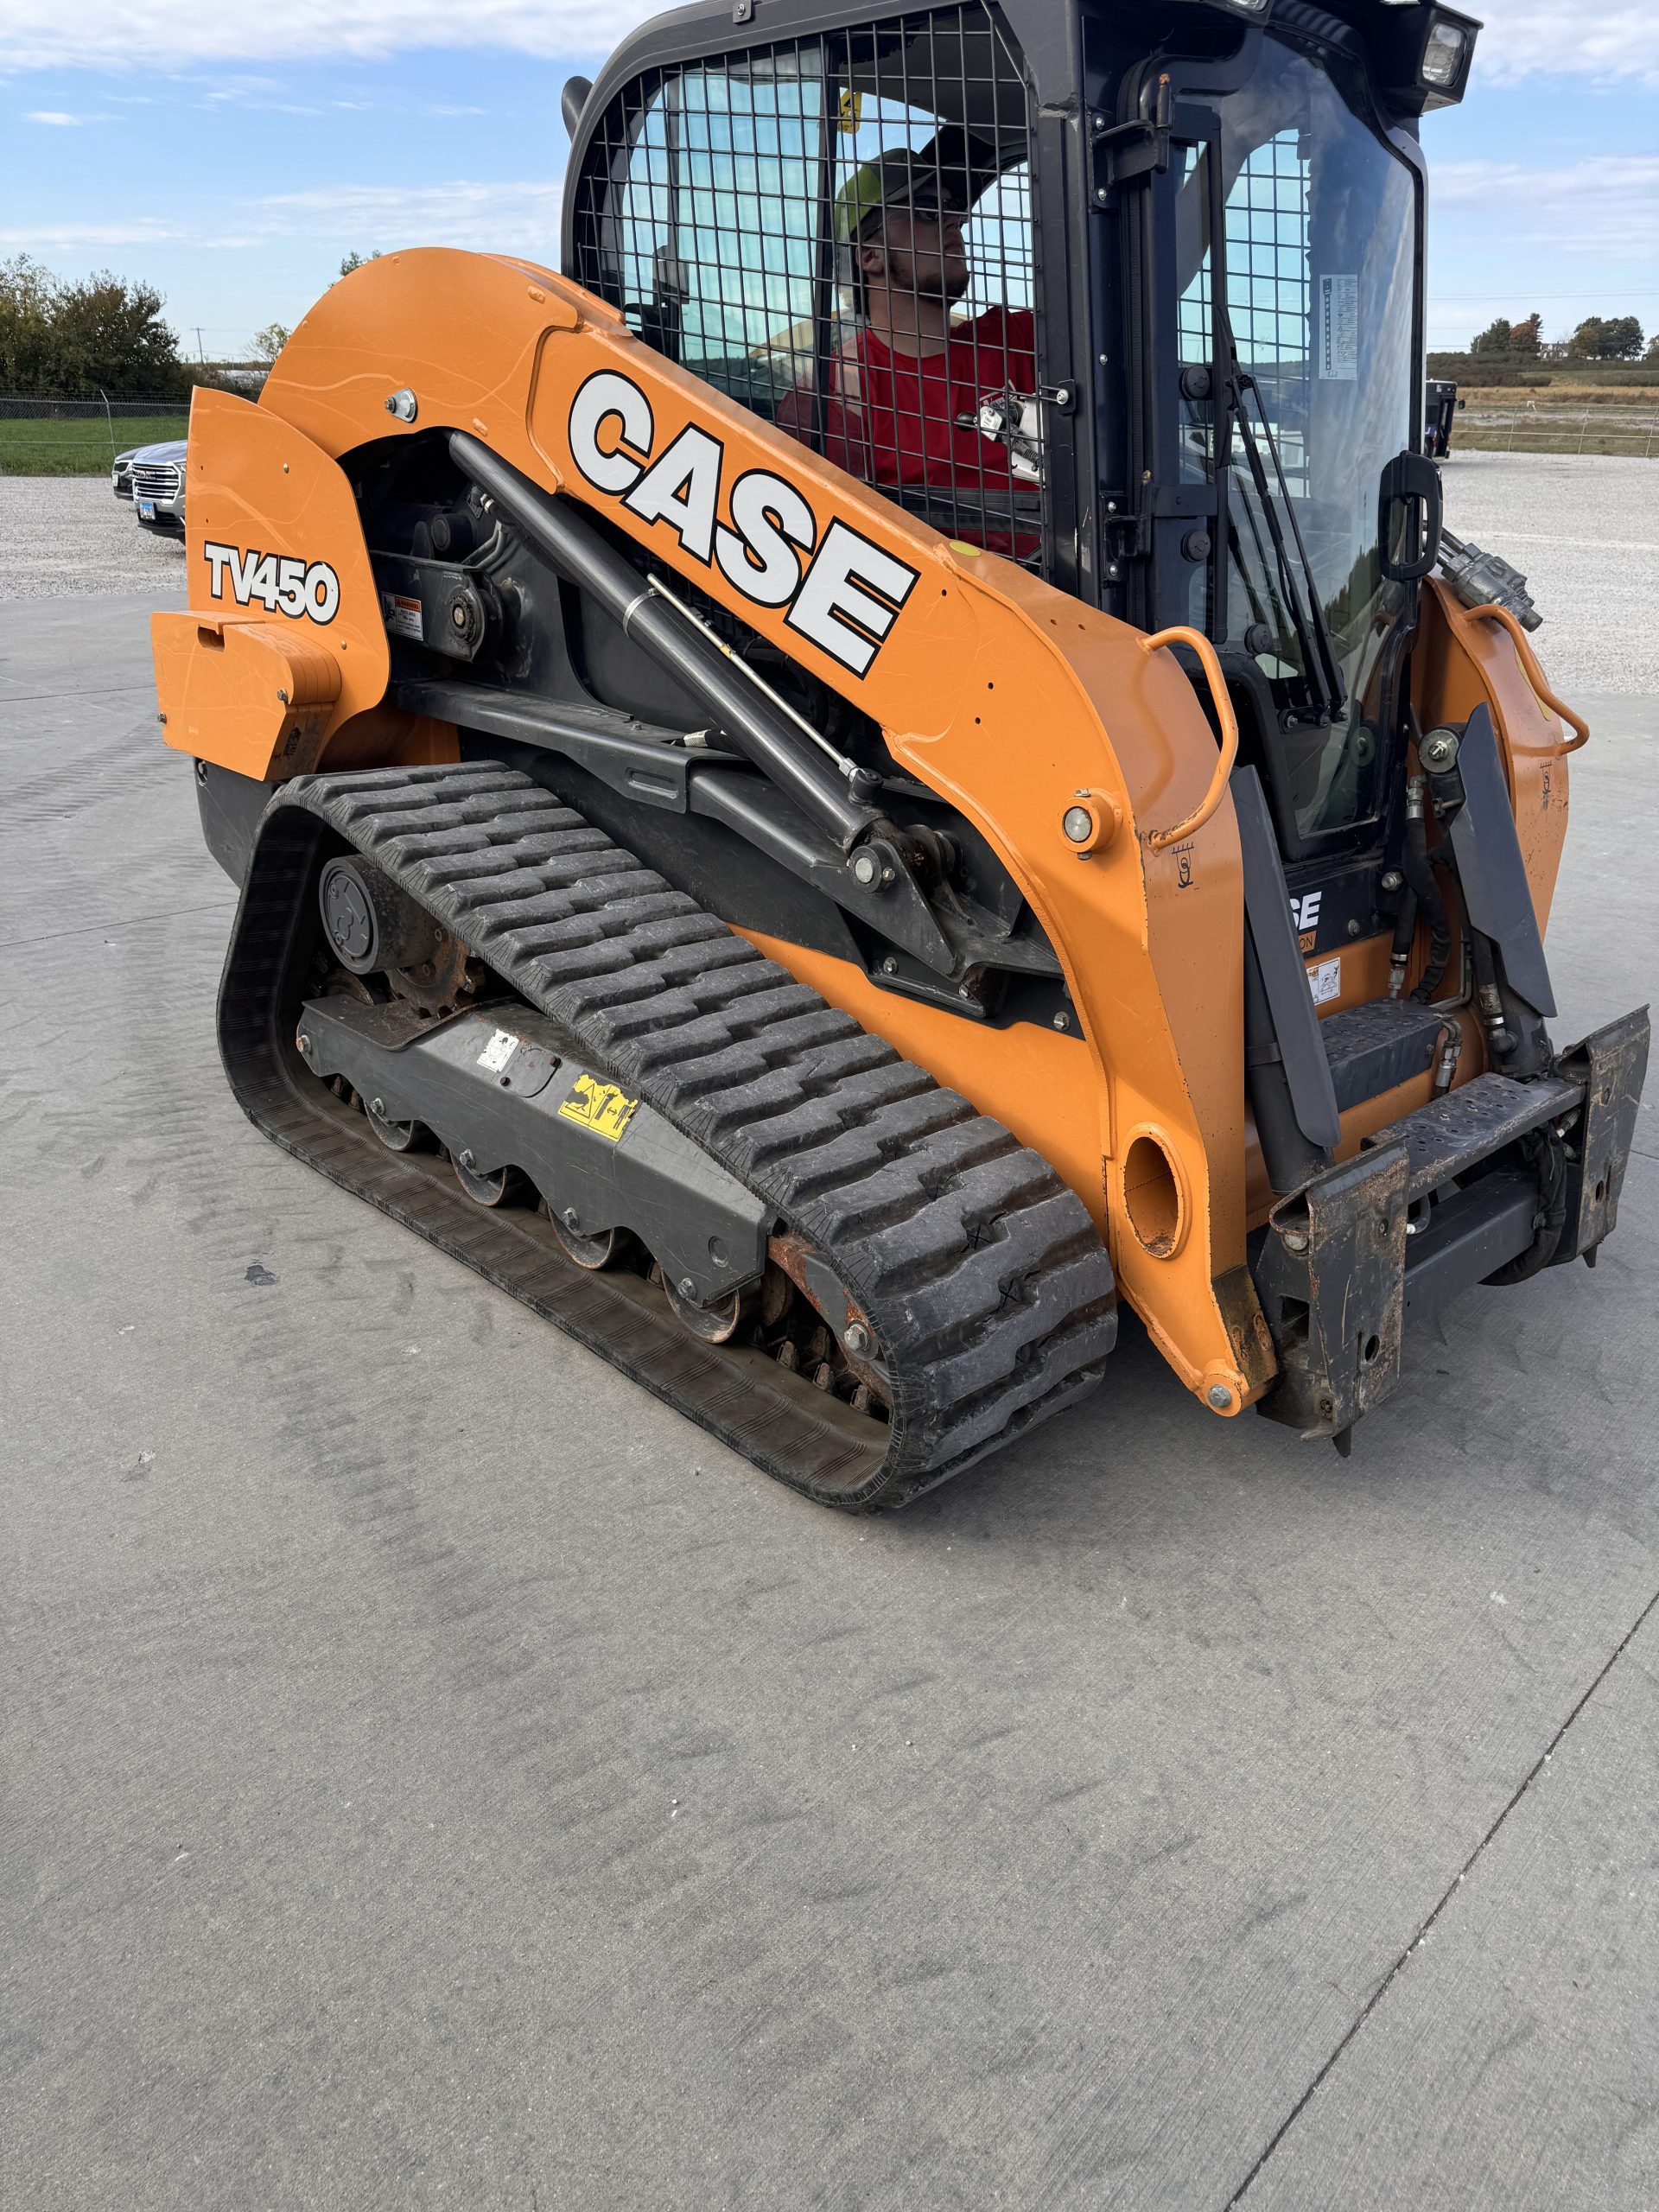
[1502, 1180]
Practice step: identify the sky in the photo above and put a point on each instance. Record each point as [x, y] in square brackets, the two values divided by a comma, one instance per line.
[231, 155]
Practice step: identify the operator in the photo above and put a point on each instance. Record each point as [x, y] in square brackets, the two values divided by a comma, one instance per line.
[902, 376]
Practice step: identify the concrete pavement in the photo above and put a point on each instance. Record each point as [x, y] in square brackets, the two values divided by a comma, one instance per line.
[434, 1774]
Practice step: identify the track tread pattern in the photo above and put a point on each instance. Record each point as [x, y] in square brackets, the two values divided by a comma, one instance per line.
[988, 1286]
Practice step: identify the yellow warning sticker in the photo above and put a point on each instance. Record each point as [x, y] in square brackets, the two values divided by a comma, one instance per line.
[850, 113]
[599, 1107]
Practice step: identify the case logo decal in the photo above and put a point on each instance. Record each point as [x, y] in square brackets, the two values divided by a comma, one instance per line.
[280, 583]
[1305, 911]
[840, 591]
[599, 1107]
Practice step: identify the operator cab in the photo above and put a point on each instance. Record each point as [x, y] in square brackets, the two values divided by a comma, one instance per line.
[1163, 344]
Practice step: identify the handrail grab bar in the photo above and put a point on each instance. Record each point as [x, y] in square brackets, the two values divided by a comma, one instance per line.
[1535, 676]
[1159, 839]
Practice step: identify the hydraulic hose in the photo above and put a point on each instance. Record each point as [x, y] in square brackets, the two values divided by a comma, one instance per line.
[1420, 878]
[1405, 936]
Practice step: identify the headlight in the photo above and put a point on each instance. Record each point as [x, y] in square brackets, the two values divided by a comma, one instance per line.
[1444, 55]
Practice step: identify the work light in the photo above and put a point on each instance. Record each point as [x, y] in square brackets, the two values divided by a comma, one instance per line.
[1443, 53]
[1423, 56]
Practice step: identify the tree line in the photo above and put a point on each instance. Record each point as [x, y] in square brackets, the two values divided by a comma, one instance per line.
[1599, 338]
[101, 336]
[82, 337]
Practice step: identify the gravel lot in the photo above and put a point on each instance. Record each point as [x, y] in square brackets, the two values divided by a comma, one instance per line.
[64, 534]
[1585, 530]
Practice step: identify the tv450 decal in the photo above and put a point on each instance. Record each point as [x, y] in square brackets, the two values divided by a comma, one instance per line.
[282, 584]
[840, 591]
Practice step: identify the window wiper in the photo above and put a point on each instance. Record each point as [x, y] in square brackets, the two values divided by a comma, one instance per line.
[1320, 666]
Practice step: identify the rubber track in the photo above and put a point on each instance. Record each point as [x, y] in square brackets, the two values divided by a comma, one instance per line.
[988, 1286]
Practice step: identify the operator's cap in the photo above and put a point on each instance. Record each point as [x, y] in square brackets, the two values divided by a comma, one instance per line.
[932, 178]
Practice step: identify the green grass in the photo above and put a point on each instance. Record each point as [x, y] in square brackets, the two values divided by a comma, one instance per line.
[81, 447]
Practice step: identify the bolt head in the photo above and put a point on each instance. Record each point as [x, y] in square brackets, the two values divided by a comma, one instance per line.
[857, 1338]
[687, 1288]
[866, 869]
[468, 1161]
[889, 966]
[1078, 824]
[1220, 1396]
[1062, 1021]
[378, 1107]
[1393, 880]
[304, 1041]
[1296, 1240]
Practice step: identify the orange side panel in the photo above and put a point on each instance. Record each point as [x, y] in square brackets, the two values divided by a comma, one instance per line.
[244, 691]
[272, 532]
[1461, 664]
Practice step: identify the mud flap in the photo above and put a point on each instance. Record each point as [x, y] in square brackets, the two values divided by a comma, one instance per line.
[1331, 1280]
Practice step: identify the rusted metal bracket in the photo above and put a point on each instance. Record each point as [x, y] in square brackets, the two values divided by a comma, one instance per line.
[1331, 1280]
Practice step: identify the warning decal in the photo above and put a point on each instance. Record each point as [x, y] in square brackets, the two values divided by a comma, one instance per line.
[599, 1107]
[402, 616]
[499, 1050]
[1339, 331]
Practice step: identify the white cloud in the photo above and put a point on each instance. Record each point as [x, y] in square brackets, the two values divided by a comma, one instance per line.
[173, 34]
[1607, 206]
[61, 122]
[1617, 40]
[487, 218]
[518, 218]
[47, 237]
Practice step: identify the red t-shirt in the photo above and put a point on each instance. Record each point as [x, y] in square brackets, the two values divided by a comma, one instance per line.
[891, 417]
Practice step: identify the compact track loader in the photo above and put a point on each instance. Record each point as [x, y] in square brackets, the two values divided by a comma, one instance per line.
[883, 762]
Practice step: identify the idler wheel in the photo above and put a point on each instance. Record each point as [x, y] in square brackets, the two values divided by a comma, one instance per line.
[485, 1190]
[605, 1249]
[371, 925]
[714, 1325]
[396, 1136]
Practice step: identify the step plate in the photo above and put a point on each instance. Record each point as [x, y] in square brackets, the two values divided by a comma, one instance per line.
[1457, 1132]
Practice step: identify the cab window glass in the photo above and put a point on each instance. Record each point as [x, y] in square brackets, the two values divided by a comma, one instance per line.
[838, 233]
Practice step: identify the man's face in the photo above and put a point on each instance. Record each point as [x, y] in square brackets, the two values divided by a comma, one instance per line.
[920, 251]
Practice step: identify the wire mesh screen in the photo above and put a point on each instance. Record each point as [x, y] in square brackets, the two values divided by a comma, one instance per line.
[1269, 303]
[837, 232]
[1270, 289]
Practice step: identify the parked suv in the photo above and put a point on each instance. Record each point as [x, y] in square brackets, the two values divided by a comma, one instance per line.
[152, 477]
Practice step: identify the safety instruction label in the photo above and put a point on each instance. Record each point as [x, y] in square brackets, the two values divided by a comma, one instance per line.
[599, 1107]
[402, 616]
[1325, 982]
[1338, 332]
[499, 1050]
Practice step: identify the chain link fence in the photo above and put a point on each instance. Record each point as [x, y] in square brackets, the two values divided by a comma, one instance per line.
[1517, 424]
[41, 435]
